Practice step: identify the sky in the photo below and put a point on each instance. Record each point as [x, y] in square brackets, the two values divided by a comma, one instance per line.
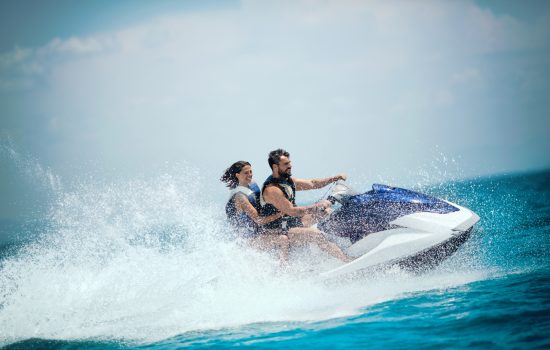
[381, 90]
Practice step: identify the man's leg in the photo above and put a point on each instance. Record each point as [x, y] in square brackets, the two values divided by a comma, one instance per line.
[309, 220]
[304, 235]
[271, 242]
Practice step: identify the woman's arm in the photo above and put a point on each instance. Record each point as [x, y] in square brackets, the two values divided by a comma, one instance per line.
[243, 204]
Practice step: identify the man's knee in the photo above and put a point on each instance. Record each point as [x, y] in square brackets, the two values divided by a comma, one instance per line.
[304, 234]
[283, 240]
[314, 233]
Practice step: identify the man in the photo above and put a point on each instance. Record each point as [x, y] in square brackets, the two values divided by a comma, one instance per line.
[278, 195]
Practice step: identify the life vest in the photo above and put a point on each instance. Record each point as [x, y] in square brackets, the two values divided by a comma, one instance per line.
[241, 220]
[288, 188]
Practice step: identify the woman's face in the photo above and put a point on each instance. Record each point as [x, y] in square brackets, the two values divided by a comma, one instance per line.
[245, 176]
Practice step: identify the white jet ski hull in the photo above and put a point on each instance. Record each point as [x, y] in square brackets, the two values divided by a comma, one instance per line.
[415, 241]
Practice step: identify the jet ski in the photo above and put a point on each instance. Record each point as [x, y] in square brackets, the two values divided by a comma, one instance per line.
[390, 226]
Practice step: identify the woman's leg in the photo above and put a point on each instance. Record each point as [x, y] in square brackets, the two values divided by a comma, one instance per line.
[303, 235]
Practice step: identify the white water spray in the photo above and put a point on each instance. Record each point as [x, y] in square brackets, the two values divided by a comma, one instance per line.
[147, 260]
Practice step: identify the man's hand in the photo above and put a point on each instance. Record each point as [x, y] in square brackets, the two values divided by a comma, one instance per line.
[323, 209]
[342, 177]
[323, 205]
[326, 212]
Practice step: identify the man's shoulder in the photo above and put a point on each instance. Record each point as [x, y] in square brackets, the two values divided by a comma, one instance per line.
[272, 189]
[268, 179]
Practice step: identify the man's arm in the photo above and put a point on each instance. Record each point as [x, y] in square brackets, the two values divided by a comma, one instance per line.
[274, 196]
[313, 184]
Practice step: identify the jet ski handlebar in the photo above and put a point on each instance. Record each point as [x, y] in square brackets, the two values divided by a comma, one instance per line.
[332, 199]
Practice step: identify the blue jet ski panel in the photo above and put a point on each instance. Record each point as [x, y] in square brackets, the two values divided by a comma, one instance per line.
[372, 211]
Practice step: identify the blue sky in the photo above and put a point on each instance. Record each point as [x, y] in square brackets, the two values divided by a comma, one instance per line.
[381, 90]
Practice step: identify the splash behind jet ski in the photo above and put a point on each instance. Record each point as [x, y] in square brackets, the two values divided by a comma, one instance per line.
[391, 225]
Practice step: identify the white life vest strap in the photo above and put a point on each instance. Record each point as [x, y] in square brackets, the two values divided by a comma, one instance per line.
[240, 189]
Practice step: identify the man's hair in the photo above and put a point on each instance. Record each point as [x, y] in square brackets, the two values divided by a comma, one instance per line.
[274, 157]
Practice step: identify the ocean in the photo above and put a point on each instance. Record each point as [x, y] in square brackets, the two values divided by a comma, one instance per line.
[148, 265]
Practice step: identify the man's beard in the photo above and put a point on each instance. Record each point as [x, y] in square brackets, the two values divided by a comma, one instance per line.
[285, 174]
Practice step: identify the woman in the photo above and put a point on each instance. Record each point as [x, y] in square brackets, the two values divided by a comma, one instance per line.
[242, 210]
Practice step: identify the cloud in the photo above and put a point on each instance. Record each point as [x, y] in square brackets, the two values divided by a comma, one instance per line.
[359, 33]
[74, 46]
[21, 67]
[216, 80]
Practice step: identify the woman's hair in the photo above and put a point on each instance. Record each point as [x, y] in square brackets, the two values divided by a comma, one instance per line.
[229, 177]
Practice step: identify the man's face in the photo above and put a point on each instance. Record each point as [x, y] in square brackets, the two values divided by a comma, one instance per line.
[284, 168]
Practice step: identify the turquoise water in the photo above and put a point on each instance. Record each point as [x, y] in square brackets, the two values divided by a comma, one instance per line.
[143, 266]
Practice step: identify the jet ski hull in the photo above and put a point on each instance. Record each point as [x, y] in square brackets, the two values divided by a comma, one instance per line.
[419, 261]
[431, 257]
[415, 231]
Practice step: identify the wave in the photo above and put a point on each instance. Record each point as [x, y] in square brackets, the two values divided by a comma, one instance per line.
[146, 260]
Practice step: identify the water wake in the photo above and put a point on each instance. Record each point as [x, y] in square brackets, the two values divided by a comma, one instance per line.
[147, 260]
